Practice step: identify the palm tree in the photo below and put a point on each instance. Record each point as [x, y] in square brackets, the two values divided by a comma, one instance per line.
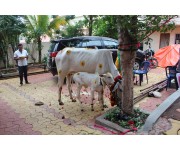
[41, 25]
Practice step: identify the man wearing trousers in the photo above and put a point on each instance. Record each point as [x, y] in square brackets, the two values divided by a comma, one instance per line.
[21, 56]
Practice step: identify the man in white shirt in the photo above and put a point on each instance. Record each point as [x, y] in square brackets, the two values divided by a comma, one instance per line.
[21, 56]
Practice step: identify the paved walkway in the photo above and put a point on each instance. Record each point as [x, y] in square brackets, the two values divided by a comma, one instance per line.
[19, 115]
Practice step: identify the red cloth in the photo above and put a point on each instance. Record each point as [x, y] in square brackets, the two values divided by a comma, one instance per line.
[116, 78]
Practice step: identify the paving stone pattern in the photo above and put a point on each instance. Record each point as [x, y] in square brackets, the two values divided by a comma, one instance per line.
[20, 115]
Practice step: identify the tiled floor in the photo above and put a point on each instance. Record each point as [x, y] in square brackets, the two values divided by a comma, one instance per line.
[19, 115]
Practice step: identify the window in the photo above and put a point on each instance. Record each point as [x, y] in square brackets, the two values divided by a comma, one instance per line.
[62, 44]
[177, 39]
[164, 39]
[51, 48]
[91, 43]
[75, 43]
[110, 44]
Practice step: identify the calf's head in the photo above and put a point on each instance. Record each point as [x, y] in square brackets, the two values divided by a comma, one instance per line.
[108, 79]
[116, 92]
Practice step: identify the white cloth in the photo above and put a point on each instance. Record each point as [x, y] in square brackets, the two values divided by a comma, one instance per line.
[71, 60]
[24, 53]
[178, 78]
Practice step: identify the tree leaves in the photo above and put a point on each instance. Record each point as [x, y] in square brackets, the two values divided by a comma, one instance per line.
[41, 25]
[11, 26]
[73, 30]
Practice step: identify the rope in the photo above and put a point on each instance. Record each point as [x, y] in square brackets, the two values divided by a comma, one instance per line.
[123, 46]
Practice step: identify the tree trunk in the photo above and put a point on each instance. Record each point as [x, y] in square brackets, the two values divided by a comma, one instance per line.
[127, 62]
[90, 24]
[39, 48]
[127, 57]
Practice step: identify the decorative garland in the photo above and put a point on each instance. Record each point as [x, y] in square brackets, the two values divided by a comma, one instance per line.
[127, 121]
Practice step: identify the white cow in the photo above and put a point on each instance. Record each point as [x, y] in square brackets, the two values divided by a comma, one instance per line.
[96, 83]
[73, 60]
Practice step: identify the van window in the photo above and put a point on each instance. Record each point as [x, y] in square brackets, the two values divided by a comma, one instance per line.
[92, 44]
[51, 47]
[110, 44]
[55, 47]
[75, 43]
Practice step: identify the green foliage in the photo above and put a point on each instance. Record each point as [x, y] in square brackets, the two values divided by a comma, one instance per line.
[145, 25]
[41, 25]
[11, 26]
[106, 26]
[44, 60]
[126, 121]
[73, 30]
[98, 25]
[69, 17]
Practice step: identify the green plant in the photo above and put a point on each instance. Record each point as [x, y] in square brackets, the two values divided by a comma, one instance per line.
[127, 121]
[41, 25]
[44, 60]
[73, 30]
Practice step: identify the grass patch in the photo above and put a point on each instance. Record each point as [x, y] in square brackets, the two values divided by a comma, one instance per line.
[127, 121]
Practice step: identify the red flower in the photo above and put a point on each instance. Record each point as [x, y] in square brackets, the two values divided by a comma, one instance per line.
[130, 122]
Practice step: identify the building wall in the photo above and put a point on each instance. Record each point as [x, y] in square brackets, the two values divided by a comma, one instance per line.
[156, 39]
[34, 52]
[173, 33]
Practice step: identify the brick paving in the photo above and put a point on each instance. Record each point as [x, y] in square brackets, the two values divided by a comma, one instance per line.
[19, 115]
[11, 123]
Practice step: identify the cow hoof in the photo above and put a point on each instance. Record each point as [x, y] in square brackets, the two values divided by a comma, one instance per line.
[102, 109]
[92, 109]
[73, 100]
[82, 110]
[61, 103]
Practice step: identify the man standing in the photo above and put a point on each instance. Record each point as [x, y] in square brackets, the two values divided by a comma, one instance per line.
[21, 56]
